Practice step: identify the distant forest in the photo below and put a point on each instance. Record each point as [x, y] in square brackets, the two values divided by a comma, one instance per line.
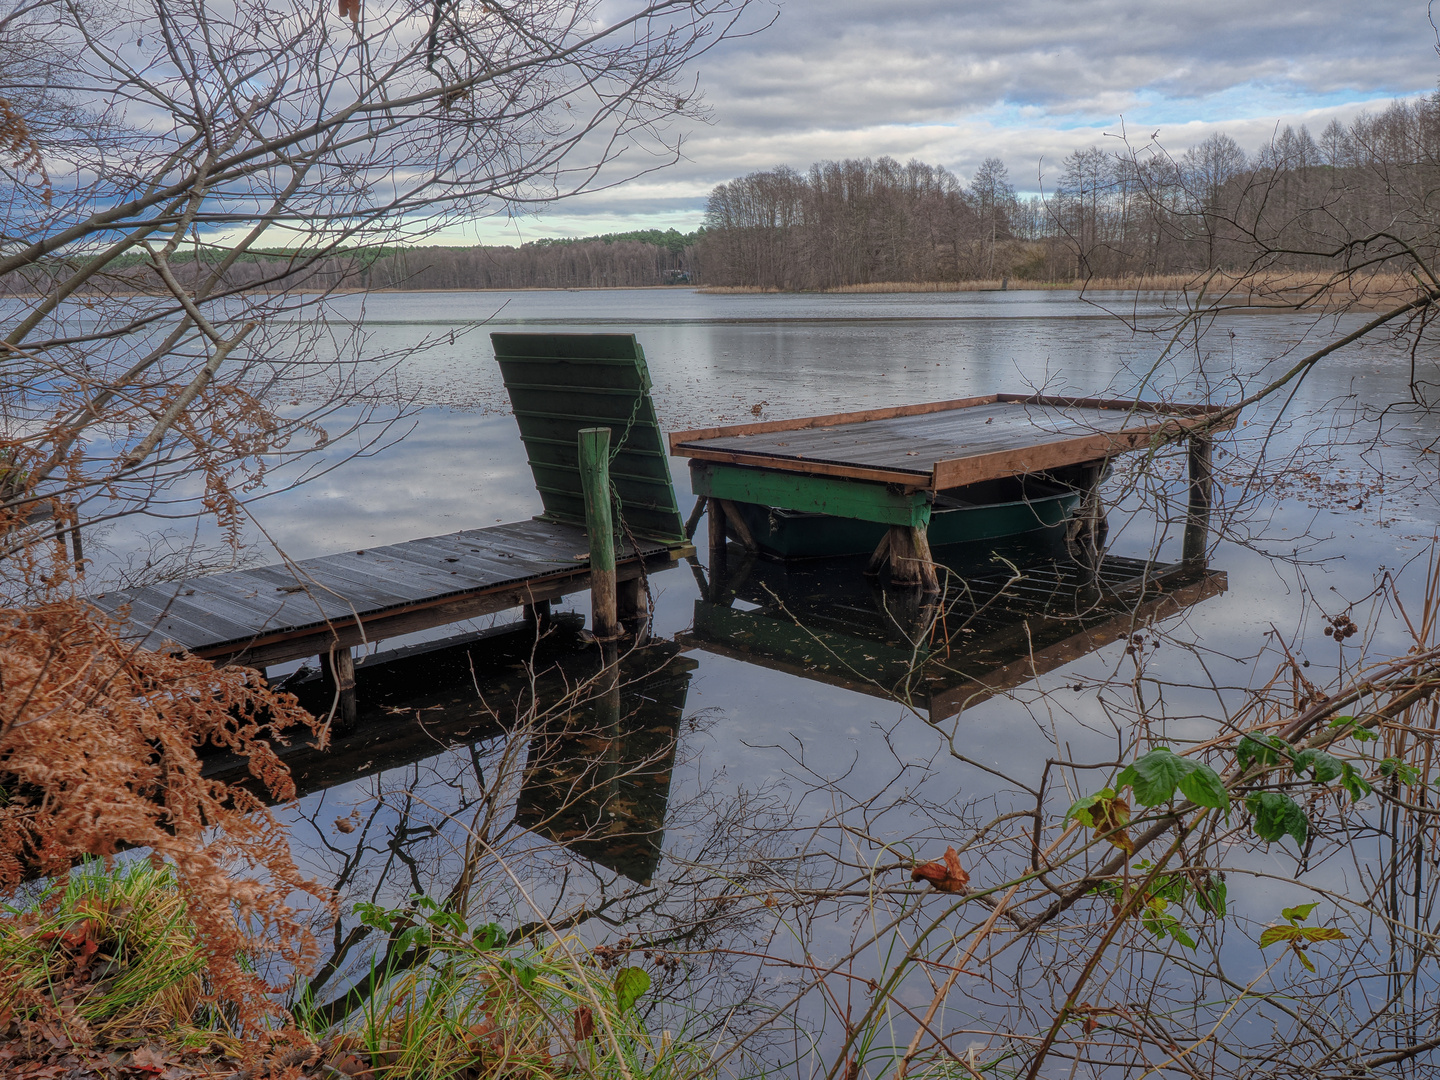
[1113, 213]
[1123, 212]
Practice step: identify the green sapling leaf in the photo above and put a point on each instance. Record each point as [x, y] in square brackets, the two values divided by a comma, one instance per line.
[630, 984]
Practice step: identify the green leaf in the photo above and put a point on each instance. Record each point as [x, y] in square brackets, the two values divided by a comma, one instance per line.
[1082, 809]
[1353, 782]
[1276, 815]
[1252, 751]
[1299, 912]
[1204, 788]
[1352, 729]
[630, 983]
[488, 935]
[1324, 767]
[1407, 774]
[1155, 777]
[1272, 934]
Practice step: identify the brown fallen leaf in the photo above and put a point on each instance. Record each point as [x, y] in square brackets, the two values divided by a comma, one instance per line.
[344, 824]
[584, 1023]
[945, 876]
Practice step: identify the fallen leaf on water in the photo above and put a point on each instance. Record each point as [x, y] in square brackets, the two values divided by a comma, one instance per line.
[945, 876]
[344, 824]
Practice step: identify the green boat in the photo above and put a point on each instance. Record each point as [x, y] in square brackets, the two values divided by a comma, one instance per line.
[987, 511]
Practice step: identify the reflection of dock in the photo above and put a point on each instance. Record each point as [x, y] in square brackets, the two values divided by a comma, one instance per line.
[601, 733]
[822, 621]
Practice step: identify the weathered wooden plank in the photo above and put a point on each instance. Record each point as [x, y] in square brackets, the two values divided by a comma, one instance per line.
[829, 420]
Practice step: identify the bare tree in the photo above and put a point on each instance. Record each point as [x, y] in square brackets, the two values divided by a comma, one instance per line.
[146, 340]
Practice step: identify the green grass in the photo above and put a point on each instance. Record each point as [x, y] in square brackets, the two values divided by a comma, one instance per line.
[105, 954]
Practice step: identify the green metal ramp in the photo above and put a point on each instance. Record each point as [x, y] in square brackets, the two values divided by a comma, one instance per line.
[560, 383]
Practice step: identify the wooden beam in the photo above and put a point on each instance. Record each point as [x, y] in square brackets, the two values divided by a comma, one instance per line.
[738, 526]
[858, 500]
[338, 678]
[879, 557]
[693, 521]
[921, 545]
[919, 479]
[830, 420]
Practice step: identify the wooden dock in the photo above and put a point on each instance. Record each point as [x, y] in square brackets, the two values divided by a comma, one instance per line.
[888, 465]
[291, 611]
[566, 389]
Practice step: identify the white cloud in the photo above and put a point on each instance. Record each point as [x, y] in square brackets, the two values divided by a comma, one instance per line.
[1031, 80]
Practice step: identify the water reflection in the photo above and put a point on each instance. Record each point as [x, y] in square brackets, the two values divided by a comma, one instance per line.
[1009, 614]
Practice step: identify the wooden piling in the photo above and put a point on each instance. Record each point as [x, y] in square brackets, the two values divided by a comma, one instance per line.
[594, 447]
[738, 526]
[1197, 515]
[537, 614]
[920, 542]
[338, 678]
[632, 606]
[904, 562]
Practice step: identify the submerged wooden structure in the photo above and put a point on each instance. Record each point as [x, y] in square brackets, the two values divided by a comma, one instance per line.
[561, 385]
[890, 465]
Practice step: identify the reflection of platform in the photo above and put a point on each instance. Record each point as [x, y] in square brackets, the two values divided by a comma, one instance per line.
[822, 621]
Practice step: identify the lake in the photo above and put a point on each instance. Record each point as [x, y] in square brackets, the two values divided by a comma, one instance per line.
[754, 830]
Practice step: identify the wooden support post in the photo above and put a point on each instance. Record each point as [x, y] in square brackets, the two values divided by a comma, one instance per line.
[75, 542]
[904, 563]
[338, 677]
[717, 549]
[632, 605]
[537, 615]
[928, 577]
[1197, 515]
[594, 446]
[879, 557]
[693, 521]
[738, 526]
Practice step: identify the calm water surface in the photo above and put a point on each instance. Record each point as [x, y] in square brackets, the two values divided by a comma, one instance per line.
[779, 781]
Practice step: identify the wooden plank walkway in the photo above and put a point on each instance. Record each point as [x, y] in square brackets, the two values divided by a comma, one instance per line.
[944, 444]
[273, 614]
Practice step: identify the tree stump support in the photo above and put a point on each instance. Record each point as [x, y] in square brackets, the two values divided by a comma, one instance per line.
[910, 560]
[594, 448]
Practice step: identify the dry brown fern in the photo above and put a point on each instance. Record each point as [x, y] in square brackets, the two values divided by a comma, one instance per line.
[98, 752]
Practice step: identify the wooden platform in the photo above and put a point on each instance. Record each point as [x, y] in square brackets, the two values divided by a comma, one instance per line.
[945, 444]
[277, 613]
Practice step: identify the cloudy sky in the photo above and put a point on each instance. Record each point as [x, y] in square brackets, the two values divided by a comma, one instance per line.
[952, 83]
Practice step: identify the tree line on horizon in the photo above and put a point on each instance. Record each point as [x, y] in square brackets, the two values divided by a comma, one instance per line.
[1113, 213]
[1128, 211]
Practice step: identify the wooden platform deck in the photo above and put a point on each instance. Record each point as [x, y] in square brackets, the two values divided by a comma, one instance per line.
[945, 444]
[277, 613]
